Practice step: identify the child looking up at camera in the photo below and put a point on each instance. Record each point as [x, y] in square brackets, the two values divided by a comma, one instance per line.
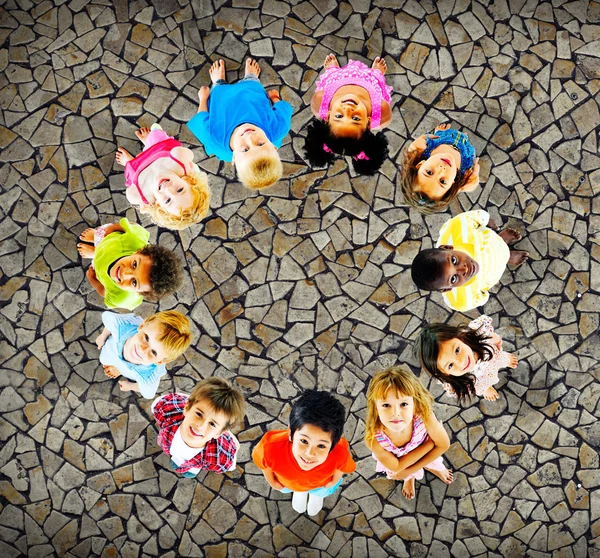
[402, 431]
[126, 269]
[194, 429]
[164, 181]
[138, 349]
[310, 457]
[469, 260]
[243, 124]
[465, 359]
[437, 167]
[349, 103]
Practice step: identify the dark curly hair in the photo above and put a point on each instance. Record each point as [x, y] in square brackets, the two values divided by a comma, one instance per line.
[165, 273]
[427, 350]
[374, 146]
[418, 200]
[426, 268]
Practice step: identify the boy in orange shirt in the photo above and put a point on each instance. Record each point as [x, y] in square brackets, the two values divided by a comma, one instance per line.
[311, 457]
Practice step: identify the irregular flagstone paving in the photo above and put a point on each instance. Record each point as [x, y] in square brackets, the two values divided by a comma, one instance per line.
[306, 284]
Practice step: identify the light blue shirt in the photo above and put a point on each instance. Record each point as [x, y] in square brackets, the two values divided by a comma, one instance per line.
[244, 102]
[122, 327]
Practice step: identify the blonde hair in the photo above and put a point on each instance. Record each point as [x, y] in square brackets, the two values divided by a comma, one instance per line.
[176, 332]
[190, 215]
[222, 397]
[262, 172]
[404, 383]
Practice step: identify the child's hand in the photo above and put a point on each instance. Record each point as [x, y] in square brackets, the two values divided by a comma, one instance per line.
[442, 127]
[398, 476]
[100, 340]
[111, 371]
[91, 273]
[274, 95]
[476, 169]
[513, 361]
[492, 224]
[204, 93]
[276, 484]
[420, 144]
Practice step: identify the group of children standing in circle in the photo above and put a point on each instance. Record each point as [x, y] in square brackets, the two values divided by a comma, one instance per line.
[243, 124]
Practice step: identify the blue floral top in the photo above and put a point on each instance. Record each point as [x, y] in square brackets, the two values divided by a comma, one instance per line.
[456, 139]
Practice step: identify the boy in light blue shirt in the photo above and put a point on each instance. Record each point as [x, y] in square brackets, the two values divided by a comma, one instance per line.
[243, 124]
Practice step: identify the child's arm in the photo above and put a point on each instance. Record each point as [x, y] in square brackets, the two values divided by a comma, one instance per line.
[274, 96]
[441, 442]
[99, 287]
[315, 103]
[203, 96]
[337, 477]
[101, 339]
[113, 227]
[272, 479]
[129, 386]
[386, 116]
[399, 464]
[473, 181]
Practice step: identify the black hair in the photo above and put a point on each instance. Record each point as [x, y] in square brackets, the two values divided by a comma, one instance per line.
[166, 271]
[426, 269]
[427, 350]
[374, 146]
[319, 408]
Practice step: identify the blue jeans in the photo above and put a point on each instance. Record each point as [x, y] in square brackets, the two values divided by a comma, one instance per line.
[322, 491]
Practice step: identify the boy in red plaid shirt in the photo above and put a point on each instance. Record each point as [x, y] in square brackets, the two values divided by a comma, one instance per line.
[193, 430]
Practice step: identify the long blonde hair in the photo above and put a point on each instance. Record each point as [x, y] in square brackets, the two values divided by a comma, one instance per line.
[404, 383]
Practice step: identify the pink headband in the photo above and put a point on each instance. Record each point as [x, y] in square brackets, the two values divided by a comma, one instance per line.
[362, 155]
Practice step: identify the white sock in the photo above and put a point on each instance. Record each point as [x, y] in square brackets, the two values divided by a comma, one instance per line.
[315, 504]
[299, 501]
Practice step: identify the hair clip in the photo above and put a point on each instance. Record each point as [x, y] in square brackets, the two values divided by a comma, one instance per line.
[327, 149]
[361, 155]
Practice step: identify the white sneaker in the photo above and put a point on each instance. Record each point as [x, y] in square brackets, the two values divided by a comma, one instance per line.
[315, 504]
[299, 501]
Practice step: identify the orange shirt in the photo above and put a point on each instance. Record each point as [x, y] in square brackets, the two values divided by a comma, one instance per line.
[274, 452]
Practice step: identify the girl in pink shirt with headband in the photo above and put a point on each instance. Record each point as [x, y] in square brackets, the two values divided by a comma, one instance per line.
[350, 103]
[164, 181]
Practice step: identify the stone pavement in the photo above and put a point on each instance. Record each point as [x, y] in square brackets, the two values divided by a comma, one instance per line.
[303, 285]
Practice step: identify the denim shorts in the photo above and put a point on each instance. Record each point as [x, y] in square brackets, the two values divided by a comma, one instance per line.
[322, 491]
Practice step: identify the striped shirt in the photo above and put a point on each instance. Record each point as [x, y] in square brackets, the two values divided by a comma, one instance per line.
[468, 232]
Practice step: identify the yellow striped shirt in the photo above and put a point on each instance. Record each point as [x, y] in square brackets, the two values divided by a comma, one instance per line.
[468, 232]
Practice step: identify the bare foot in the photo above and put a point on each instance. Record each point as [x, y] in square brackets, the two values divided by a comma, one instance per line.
[142, 134]
[123, 156]
[513, 361]
[517, 257]
[510, 236]
[252, 68]
[331, 62]
[379, 64]
[443, 127]
[445, 475]
[490, 394]
[217, 71]
[86, 250]
[111, 371]
[87, 235]
[408, 488]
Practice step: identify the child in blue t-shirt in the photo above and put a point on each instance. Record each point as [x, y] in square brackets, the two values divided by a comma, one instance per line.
[138, 349]
[243, 124]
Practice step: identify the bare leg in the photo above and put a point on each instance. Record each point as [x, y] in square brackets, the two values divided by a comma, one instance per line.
[142, 134]
[379, 64]
[408, 489]
[517, 257]
[252, 68]
[217, 71]
[331, 62]
[123, 156]
[510, 236]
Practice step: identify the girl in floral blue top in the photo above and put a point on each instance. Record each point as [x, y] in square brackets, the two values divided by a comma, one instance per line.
[436, 167]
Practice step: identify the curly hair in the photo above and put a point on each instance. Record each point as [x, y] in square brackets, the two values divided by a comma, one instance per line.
[261, 172]
[426, 268]
[418, 200]
[176, 332]
[165, 273]
[404, 383]
[374, 146]
[193, 214]
[427, 350]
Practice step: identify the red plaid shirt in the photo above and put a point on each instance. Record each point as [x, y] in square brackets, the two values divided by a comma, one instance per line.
[217, 455]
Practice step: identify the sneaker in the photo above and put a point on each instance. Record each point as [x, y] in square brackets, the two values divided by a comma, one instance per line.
[315, 504]
[299, 501]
